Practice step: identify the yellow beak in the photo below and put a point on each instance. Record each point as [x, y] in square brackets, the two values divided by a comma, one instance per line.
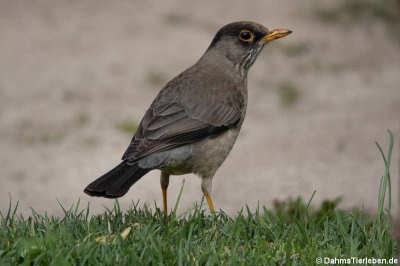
[276, 34]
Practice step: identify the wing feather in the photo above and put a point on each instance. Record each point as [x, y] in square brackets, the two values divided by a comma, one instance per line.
[200, 111]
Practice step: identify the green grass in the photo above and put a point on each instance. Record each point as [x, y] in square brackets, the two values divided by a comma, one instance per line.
[156, 78]
[363, 11]
[387, 11]
[82, 118]
[288, 94]
[127, 126]
[48, 136]
[292, 233]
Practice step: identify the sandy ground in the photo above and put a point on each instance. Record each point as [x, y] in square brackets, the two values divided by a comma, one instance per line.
[71, 71]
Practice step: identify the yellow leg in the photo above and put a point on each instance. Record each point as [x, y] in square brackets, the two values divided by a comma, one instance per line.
[209, 201]
[164, 181]
[164, 196]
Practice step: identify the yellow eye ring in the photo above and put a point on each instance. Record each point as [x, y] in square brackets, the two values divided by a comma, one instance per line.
[246, 36]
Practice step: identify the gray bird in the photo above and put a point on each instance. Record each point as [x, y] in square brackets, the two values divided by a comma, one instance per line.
[194, 121]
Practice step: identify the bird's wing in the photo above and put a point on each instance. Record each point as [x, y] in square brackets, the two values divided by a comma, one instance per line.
[193, 116]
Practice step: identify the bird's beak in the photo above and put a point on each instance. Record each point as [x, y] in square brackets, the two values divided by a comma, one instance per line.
[276, 34]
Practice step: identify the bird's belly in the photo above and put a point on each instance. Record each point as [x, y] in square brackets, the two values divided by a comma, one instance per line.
[205, 157]
[178, 167]
[176, 170]
[209, 154]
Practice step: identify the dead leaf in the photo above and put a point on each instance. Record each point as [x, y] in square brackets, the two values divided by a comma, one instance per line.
[126, 232]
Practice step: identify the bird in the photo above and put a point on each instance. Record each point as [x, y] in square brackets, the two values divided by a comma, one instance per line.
[194, 121]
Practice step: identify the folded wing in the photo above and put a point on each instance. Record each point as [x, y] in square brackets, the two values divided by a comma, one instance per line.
[170, 123]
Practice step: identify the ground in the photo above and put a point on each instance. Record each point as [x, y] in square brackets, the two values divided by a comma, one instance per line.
[75, 77]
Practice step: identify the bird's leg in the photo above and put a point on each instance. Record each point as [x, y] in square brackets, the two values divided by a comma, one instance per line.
[164, 181]
[206, 187]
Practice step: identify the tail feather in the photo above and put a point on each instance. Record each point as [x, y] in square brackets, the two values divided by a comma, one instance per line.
[117, 181]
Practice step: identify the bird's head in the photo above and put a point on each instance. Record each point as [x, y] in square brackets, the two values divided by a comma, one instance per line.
[241, 42]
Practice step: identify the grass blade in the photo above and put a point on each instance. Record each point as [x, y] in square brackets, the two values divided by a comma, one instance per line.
[178, 199]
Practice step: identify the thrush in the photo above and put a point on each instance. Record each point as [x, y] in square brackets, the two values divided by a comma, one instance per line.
[194, 121]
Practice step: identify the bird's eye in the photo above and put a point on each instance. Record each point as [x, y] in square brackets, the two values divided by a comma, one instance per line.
[246, 36]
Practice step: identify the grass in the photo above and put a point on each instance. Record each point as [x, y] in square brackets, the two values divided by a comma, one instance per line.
[292, 233]
[363, 11]
[127, 126]
[156, 78]
[356, 10]
[82, 118]
[50, 136]
[288, 94]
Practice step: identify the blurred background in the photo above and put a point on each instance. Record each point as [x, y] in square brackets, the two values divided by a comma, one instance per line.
[77, 76]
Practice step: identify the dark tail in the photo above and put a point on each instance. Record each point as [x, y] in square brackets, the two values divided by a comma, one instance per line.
[116, 182]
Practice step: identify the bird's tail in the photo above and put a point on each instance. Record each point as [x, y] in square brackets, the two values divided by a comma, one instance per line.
[117, 181]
